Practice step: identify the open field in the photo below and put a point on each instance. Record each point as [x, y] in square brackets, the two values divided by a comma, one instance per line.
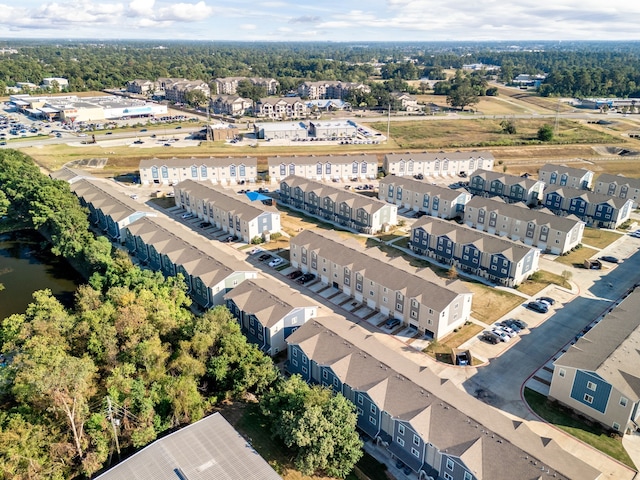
[487, 105]
[489, 304]
[577, 258]
[598, 238]
[541, 104]
[540, 280]
[590, 434]
[487, 132]
[442, 350]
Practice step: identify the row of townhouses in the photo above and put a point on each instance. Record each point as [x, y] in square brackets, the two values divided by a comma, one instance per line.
[323, 167]
[337, 205]
[427, 422]
[220, 170]
[510, 188]
[537, 227]
[330, 89]
[268, 312]
[565, 176]
[595, 209]
[229, 85]
[278, 108]
[497, 259]
[436, 164]
[434, 200]
[233, 213]
[598, 376]
[618, 186]
[416, 297]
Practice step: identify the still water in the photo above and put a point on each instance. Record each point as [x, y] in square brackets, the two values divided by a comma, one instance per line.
[26, 265]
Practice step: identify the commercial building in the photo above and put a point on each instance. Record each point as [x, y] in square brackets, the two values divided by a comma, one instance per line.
[416, 297]
[598, 376]
[281, 131]
[324, 167]
[565, 176]
[55, 82]
[342, 207]
[436, 164]
[220, 170]
[618, 186]
[497, 259]
[225, 209]
[333, 129]
[511, 188]
[418, 196]
[269, 312]
[425, 421]
[537, 227]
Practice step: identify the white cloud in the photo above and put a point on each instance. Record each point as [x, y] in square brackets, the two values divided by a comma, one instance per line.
[185, 12]
[248, 26]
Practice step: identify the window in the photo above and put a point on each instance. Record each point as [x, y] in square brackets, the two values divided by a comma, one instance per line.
[416, 440]
[562, 372]
[372, 420]
[242, 170]
[468, 476]
[203, 171]
[360, 399]
[354, 167]
[283, 169]
[327, 169]
[295, 362]
[304, 370]
[292, 169]
[232, 170]
[325, 375]
[449, 464]
[363, 168]
[360, 412]
[335, 382]
[616, 426]
[446, 476]
[415, 452]
[588, 398]
[373, 408]
[623, 402]
[401, 429]
[400, 441]
[592, 386]
[319, 169]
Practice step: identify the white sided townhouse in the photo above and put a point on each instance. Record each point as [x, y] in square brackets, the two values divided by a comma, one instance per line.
[337, 205]
[230, 105]
[439, 164]
[536, 227]
[281, 108]
[414, 416]
[497, 259]
[418, 196]
[220, 170]
[564, 176]
[618, 186]
[268, 312]
[511, 188]
[325, 168]
[233, 213]
[418, 298]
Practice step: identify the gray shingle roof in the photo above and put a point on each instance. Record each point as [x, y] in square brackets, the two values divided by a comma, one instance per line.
[589, 197]
[422, 188]
[188, 162]
[314, 159]
[396, 274]
[508, 180]
[619, 179]
[491, 445]
[105, 197]
[267, 300]
[429, 156]
[560, 169]
[210, 449]
[612, 348]
[464, 235]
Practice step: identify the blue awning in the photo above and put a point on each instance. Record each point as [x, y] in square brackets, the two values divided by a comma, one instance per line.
[253, 196]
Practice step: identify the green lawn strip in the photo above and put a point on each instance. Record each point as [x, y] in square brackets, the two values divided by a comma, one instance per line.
[590, 433]
[540, 280]
[489, 303]
[599, 238]
[577, 257]
[442, 350]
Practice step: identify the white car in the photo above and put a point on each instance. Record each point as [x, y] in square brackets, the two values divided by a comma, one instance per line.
[275, 262]
[508, 330]
[186, 215]
[504, 337]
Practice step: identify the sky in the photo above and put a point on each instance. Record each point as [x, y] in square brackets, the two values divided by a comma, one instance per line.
[323, 20]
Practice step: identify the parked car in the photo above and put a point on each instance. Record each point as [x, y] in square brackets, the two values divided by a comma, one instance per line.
[508, 330]
[610, 259]
[517, 325]
[264, 257]
[205, 225]
[511, 325]
[520, 323]
[391, 323]
[538, 307]
[276, 262]
[295, 274]
[184, 216]
[306, 278]
[463, 359]
[490, 337]
[501, 334]
[548, 300]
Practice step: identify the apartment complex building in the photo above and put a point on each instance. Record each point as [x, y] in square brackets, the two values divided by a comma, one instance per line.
[176, 89]
[564, 176]
[229, 85]
[511, 188]
[233, 105]
[497, 259]
[281, 108]
[323, 167]
[537, 227]
[418, 298]
[221, 170]
[337, 205]
[436, 164]
[618, 186]
[330, 89]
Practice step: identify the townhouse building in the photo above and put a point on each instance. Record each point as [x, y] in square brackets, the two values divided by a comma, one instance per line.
[229, 85]
[598, 375]
[536, 227]
[269, 312]
[497, 259]
[419, 418]
[323, 167]
[416, 297]
[595, 209]
[208, 272]
[564, 176]
[220, 170]
[141, 86]
[337, 205]
[436, 164]
[109, 209]
[281, 108]
[618, 186]
[233, 213]
[418, 196]
[175, 90]
[230, 105]
[330, 89]
[511, 188]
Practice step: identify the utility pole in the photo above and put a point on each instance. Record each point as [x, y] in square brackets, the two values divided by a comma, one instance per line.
[389, 120]
[113, 421]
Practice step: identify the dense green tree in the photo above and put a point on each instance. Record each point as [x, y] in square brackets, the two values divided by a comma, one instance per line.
[508, 127]
[545, 133]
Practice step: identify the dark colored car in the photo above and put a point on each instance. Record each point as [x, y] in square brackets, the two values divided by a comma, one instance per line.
[520, 323]
[610, 259]
[515, 324]
[512, 325]
[548, 300]
[205, 225]
[538, 307]
[295, 274]
[489, 337]
[463, 359]
[391, 323]
[264, 257]
[306, 278]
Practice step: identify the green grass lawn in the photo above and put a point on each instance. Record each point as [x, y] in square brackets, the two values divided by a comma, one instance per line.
[442, 350]
[591, 434]
[577, 258]
[489, 304]
[595, 237]
[540, 280]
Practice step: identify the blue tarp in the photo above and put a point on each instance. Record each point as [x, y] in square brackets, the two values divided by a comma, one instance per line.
[253, 196]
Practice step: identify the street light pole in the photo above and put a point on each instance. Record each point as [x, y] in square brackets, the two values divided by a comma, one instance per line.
[389, 121]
